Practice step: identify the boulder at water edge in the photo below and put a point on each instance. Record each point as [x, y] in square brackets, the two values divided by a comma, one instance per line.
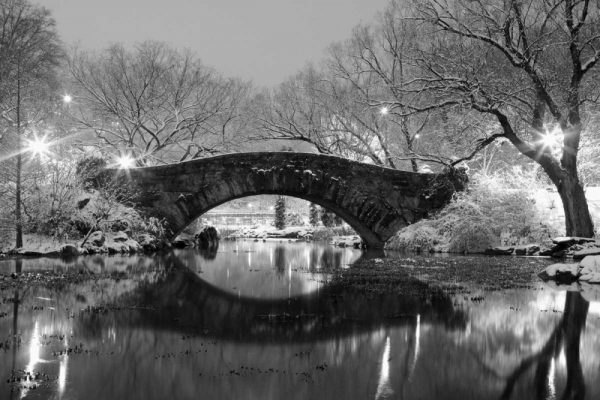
[590, 269]
[561, 272]
[120, 237]
[499, 251]
[584, 253]
[97, 239]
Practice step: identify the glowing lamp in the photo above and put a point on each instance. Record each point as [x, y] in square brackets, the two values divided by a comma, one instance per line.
[550, 140]
[38, 146]
[384, 111]
[67, 99]
[126, 162]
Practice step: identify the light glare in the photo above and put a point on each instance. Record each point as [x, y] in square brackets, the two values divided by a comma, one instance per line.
[67, 98]
[126, 162]
[552, 138]
[384, 110]
[38, 146]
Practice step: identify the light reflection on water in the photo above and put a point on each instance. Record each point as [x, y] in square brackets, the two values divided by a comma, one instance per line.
[182, 331]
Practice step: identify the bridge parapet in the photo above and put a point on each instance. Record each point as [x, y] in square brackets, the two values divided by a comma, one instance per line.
[375, 201]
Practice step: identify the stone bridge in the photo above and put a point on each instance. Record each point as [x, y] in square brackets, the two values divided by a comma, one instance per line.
[373, 200]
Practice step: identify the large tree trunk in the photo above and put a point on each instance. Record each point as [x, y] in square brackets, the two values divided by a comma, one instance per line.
[578, 221]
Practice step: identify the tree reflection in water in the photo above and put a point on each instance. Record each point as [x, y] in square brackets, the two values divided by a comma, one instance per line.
[375, 346]
[279, 262]
[565, 337]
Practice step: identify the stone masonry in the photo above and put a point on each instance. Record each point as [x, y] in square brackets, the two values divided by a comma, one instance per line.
[375, 201]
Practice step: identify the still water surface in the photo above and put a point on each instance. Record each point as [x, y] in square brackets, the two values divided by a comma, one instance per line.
[259, 321]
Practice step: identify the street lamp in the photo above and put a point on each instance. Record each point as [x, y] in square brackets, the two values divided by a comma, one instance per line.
[384, 110]
[551, 139]
[38, 146]
[125, 161]
[67, 99]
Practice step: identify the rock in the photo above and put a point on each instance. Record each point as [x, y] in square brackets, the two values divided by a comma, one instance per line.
[499, 251]
[581, 254]
[97, 239]
[120, 237]
[347, 241]
[561, 272]
[591, 263]
[68, 250]
[20, 251]
[207, 237]
[91, 249]
[134, 246]
[182, 241]
[120, 226]
[546, 251]
[521, 251]
[593, 277]
[527, 250]
[590, 269]
[568, 241]
[571, 240]
[116, 247]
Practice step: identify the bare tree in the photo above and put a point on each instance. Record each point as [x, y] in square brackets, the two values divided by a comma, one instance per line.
[155, 102]
[353, 104]
[296, 111]
[29, 54]
[529, 67]
[372, 64]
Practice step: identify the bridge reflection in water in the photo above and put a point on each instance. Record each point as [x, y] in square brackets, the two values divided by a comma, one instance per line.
[175, 335]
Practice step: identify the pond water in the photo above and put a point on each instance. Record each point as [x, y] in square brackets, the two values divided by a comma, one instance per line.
[258, 320]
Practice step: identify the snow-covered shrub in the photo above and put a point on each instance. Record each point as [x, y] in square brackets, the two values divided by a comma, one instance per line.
[423, 236]
[475, 218]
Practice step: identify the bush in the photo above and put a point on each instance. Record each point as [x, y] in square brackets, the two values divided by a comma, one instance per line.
[475, 219]
[418, 236]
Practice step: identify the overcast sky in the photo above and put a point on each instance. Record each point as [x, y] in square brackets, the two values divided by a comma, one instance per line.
[261, 40]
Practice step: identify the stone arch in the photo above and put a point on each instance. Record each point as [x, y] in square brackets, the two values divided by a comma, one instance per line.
[375, 201]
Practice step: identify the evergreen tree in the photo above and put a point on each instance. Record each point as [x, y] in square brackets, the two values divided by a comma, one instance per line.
[280, 213]
[313, 215]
